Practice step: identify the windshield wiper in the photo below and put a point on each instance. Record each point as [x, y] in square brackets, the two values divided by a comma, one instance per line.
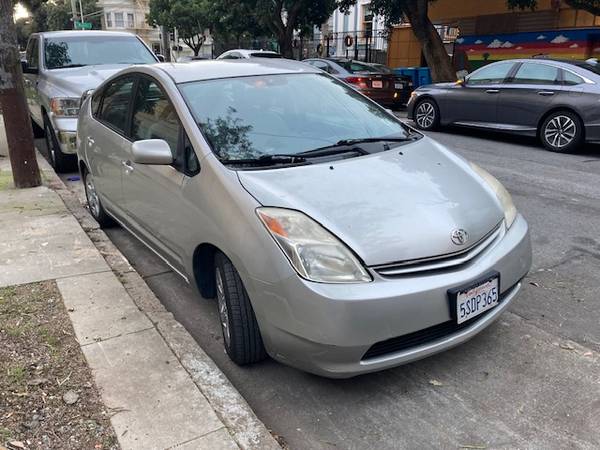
[268, 160]
[377, 139]
[69, 66]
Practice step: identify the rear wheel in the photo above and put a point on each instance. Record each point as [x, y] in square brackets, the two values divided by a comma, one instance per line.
[59, 161]
[94, 204]
[241, 335]
[562, 132]
[427, 115]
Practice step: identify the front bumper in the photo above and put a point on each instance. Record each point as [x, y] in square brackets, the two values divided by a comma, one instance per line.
[326, 329]
[65, 129]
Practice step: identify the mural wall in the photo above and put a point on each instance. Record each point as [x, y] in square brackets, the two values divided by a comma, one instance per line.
[472, 52]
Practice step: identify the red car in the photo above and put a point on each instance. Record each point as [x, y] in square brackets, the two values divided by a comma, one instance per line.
[376, 81]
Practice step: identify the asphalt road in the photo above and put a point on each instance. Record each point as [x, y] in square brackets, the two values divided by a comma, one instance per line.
[531, 380]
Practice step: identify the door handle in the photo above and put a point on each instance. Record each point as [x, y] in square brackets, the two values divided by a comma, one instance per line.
[127, 165]
[90, 141]
[492, 91]
[546, 93]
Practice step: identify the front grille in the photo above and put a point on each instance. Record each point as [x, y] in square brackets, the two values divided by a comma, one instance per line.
[442, 261]
[426, 335]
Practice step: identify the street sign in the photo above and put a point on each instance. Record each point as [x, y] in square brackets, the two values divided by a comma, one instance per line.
[83, 25]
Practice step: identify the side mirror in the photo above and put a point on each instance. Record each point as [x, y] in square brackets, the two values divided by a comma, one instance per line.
[152, 151]
[26, 69]
[161, 58]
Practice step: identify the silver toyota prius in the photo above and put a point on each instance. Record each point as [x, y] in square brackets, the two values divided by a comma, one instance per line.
[334, 238]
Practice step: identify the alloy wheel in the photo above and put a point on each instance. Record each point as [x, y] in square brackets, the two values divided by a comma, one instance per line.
[425, 116]
[222, 304]
[92, 196]
[560, 131]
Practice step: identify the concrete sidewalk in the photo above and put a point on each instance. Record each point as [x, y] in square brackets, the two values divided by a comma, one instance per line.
[167, 392]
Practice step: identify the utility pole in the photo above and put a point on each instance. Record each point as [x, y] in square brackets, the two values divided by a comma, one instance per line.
[17, 123]
[165, 42]
[74, 11]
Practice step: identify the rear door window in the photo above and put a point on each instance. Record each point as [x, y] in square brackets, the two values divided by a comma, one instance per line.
[533, 73]
[114, 110]
[570, 79]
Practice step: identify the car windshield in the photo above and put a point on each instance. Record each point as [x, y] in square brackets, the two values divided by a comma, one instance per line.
[258, 116]
[265, 55]
[381, 68]
[356, 67]
[79, 51]
[594, 68]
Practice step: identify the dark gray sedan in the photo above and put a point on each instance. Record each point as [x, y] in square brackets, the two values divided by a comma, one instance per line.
[557, 101]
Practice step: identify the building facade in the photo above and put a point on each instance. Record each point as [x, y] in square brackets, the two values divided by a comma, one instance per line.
[130, 15]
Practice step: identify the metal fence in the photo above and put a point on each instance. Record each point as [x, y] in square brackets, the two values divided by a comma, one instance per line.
[359, 45]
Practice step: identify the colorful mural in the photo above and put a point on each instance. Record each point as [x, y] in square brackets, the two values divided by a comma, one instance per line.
[581, 43]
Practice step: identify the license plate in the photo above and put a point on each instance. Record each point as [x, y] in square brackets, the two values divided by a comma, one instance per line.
[377, 84]
[398, 86]
[475, 300]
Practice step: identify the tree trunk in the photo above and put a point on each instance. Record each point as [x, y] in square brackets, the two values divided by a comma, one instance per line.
[166, 44]
[17, 122]
[285, 39]
[433, 48]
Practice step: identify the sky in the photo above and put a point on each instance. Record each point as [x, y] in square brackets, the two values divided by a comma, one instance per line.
[20, 11]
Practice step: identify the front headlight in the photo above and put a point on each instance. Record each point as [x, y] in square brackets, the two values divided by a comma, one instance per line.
[65, 106]
[313, 251]
[510, 211]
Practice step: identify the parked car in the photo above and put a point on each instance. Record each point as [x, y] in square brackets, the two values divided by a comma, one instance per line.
[551, 99]
[335, 239]
[59, 67]
[240, 53]
[381, 85]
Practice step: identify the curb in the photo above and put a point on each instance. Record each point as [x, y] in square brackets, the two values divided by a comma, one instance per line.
[229, 405]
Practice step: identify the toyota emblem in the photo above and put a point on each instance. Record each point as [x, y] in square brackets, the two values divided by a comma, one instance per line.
[460, 236]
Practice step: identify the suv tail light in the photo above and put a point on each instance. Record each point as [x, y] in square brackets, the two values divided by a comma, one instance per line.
[359, 82]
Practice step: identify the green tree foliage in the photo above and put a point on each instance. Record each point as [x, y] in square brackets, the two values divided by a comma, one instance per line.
[232, 21]
[283, 17]
[57, 14]
[190, 17]
[24, 29]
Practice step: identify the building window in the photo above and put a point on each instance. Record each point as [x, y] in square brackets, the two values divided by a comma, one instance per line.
[119, 23]
[367, 20]
[108, 20]
[130, 21]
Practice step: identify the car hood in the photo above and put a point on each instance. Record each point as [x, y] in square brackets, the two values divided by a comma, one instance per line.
[76, 80]
[398, 205]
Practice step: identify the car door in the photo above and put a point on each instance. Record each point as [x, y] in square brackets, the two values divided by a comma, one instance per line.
[528, 94]
[153, 193]
[475, 101]
[31, 79]
[106, 142]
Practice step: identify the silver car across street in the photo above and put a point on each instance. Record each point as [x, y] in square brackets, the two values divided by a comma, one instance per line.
[334, 238]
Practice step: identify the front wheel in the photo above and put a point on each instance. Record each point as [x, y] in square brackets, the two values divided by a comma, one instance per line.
[60, 162]
[427, 115]
[94, 204]
[562, 132]
[241, 335]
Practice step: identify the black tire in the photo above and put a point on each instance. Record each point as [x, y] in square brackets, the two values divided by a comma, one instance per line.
[96, 209]
[241, 335]
[60, 162]
[426, 115]
[38, 132]
[562, 132]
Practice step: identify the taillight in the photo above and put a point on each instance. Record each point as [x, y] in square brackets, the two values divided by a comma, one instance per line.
[359, 82]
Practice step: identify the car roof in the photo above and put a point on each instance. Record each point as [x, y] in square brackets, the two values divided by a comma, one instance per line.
[247, 51]
[74, 33]
[230, 68]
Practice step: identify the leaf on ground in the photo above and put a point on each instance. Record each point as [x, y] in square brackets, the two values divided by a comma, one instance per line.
[435, 383]
[566, 346]
[37, 381]
[70, 397]
[533, 283]
[473, 446]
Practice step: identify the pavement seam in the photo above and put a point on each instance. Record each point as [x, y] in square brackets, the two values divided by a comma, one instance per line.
[99, 340]
[245, 429]
[179, 444]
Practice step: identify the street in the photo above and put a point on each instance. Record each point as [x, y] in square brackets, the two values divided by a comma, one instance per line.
[532, 380]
